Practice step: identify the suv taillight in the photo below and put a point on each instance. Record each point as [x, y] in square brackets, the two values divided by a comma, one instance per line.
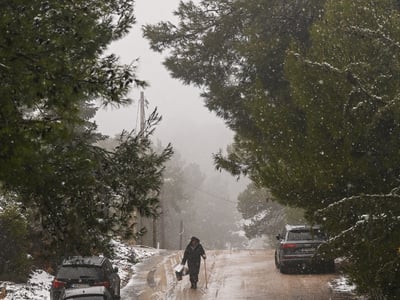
[58, 284]
[106, 284]
[288, 246]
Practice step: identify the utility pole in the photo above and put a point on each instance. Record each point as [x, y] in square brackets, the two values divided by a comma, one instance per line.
[142, 113]
[152, 224]
[141, 132]
[161, 225]
[181, 235]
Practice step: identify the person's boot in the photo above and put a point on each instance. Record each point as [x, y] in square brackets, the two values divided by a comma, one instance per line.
[195, 285]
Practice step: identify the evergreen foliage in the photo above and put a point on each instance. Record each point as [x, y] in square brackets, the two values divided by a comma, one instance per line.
[173, 204]
[136, 171]
[263, 215]
[311, 91]
[188, 196]
[233, 49]
[51, 61]
[83, 195]
[14, 262]
[346, 85]
[55, 74]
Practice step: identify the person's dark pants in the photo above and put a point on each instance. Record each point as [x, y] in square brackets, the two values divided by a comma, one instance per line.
[194, 269]
[194, 277]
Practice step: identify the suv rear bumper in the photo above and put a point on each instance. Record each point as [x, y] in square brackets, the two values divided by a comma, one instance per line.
[307, 263]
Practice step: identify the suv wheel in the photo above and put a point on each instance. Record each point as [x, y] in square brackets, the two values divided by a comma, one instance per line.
[276, 260]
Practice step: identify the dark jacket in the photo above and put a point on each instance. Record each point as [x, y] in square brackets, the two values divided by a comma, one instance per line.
[193, 252]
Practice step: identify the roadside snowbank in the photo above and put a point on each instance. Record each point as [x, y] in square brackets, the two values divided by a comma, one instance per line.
[342, 285]
[37, 287]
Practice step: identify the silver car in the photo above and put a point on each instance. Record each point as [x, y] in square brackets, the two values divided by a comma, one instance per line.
[85, 271]
[297, 249]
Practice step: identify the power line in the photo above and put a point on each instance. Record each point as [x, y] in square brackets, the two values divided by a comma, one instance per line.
[210, 194]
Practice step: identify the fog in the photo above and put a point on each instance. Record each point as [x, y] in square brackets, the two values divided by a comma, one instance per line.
[194, 132]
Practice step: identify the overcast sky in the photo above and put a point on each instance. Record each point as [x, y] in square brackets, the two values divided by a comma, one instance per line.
[194, 132]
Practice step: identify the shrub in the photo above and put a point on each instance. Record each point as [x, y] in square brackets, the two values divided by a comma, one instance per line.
[14, 262]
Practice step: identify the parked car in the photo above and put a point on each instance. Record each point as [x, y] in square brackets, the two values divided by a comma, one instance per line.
[89, 293]
[297, 249]
[83, 272]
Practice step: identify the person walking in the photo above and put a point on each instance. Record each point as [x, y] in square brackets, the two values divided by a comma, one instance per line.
[192, 255]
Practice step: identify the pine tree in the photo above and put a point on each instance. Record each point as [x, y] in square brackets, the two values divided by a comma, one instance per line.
[316, 113]
[347, 87]
[51, 60]
[53, 68]
[234, 51]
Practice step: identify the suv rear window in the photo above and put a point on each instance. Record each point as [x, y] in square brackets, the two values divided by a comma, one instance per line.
[76, 272]
[306, 235]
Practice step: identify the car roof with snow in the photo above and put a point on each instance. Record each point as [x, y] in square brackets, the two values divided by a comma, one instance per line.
[289, 227]
[84, 260]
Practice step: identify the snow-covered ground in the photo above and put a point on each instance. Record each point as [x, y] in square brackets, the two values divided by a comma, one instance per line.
[342, 285]
[38, 285]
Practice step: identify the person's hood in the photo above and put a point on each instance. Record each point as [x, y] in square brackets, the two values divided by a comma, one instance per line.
[193, 238]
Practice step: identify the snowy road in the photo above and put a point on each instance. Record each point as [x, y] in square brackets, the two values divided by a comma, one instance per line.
[238, 274]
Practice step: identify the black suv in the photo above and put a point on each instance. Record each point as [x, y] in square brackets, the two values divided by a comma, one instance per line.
[80, 272]
[297, 249]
